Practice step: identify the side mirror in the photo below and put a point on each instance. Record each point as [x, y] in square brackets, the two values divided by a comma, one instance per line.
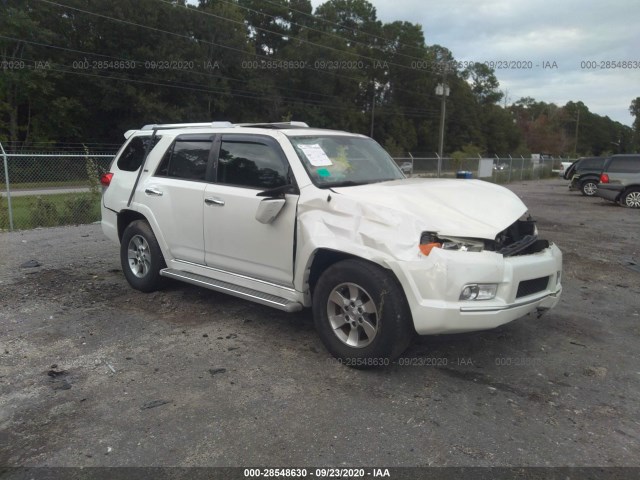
[269, 209]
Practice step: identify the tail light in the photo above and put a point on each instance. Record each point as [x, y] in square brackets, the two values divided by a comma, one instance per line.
[105, 179]
[604, 178]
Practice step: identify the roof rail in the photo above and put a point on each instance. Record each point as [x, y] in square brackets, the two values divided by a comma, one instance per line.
[167, 126]
[292, 124]
[275, 125]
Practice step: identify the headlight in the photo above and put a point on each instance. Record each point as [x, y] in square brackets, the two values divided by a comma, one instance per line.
[431, 240]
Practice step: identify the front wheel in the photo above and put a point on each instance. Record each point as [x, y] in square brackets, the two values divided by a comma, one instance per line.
[141, 257]
[589, 188]
[631, 198]
[361, 314]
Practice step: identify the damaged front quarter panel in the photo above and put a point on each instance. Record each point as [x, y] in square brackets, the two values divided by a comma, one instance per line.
[384, 223]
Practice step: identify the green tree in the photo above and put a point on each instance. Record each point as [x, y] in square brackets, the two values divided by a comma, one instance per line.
[634, 110]
[484, 84]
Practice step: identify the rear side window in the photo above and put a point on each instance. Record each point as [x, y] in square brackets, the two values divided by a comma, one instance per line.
[133, 154]
[186, 159]
[592, 163]
[631, 164]
[248, 163]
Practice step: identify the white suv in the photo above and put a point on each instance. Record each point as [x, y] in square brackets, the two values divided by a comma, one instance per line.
[292, 217]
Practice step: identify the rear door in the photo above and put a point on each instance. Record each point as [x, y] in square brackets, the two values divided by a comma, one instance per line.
[624, 170]
[175, 195]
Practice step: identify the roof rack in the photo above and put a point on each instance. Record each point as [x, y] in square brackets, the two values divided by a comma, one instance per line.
[275, 125]
[168, 126]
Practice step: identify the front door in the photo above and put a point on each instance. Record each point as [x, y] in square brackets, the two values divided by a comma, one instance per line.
[235, 241]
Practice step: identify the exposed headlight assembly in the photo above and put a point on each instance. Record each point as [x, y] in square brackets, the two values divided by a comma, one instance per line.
[431, 240]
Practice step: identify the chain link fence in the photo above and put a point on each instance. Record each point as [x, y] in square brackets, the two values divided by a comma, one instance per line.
[47, 189]
[50, 189]
[497, 170]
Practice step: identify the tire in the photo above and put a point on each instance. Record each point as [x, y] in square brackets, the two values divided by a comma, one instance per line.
[631, 198]
[361, 314]
[588, 187]
[142, 270]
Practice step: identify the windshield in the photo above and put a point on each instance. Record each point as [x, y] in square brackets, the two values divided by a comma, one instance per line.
[339, 160]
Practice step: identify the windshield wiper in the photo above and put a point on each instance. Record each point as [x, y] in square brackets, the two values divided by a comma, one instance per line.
[346, 183]
[352, 183]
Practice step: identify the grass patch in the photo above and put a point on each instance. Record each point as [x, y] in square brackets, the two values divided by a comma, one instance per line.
[50, 210]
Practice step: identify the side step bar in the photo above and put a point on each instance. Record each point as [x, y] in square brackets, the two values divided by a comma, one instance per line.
[235, 290]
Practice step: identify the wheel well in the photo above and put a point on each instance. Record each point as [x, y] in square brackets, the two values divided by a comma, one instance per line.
[589, 177]
[627, 190]
[324, 258]
[125, 217]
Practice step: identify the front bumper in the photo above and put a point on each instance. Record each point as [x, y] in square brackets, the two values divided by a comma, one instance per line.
[433, 284]
[609, 192]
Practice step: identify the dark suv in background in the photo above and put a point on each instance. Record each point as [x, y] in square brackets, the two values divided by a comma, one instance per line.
[620, 180]
[584, 174]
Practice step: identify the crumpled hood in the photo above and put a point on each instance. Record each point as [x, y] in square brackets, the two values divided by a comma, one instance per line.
[459, 208]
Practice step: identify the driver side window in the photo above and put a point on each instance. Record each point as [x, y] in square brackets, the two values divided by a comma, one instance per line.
[251, 164]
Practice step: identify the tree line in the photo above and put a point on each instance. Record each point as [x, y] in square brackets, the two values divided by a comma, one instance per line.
[85, 71]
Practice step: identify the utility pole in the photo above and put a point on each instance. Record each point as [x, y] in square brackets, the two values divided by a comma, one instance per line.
[575, 146]
[442, 89]
[373, 107]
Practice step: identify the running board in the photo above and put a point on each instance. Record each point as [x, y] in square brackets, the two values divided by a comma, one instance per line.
[235, 290]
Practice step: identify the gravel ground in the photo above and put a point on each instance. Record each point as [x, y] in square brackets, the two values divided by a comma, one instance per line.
[94, 373]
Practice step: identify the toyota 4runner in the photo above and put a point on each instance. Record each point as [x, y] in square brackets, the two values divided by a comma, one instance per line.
[293, 217]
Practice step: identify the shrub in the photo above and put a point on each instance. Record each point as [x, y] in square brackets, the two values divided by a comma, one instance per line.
[43, 213]
[81, 208]
[4, 213]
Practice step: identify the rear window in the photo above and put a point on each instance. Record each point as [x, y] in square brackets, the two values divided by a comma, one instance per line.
[629, 164]
[133, 155]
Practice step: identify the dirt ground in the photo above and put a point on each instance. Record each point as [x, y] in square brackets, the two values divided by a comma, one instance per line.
[93, 373]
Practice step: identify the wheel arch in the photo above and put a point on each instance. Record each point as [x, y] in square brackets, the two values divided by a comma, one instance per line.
[589, 177]
[323, 258]
[628, 189]
[125, 217]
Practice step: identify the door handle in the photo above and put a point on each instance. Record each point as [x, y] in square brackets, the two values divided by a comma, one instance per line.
[153, 191]
[214, 201]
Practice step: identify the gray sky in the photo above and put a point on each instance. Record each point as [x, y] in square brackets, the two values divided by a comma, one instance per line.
[566, 32]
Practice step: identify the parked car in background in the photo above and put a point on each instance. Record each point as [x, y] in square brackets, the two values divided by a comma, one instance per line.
[620, 180]
[563, 167]
[584, 174]
[407, 168]
[291, 217]
[500, 166]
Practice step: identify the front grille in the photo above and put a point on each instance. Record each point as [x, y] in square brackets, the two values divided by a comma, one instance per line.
[529, 287]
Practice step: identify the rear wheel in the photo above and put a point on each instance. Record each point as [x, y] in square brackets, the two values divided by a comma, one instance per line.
[141, 257]
[361, 314]
[631, 198]
[589, 187]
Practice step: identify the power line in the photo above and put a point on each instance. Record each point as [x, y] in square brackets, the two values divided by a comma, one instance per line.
[197, 88]
[207, 75]
[204, 41]
[333, 35]
[335, 23]
[280, 34]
